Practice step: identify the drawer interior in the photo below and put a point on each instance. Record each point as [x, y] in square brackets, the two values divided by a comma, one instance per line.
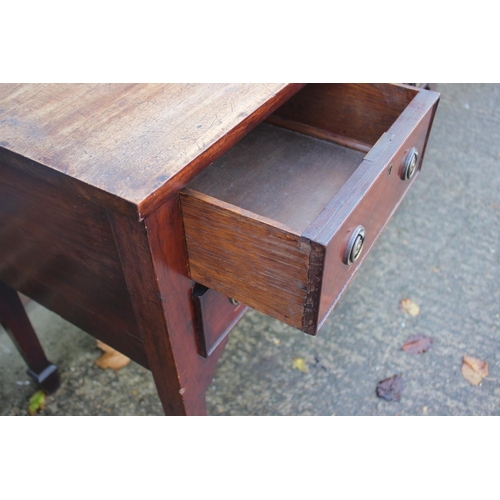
[289, 168]
[270, 222]
[280, 174]
[351, 114]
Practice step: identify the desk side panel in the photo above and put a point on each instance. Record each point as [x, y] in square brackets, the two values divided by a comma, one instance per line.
[58, 248]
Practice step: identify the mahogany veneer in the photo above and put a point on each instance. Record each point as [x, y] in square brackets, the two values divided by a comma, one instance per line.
[90, 212]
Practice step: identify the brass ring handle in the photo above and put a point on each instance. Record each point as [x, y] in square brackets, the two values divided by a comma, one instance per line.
[355, 245]
[410, 165]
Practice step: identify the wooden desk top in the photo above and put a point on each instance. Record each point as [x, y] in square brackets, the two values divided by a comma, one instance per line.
[124, 146]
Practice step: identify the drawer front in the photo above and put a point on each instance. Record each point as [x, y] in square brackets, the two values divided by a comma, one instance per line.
[254, 228]
[377, 189]
[216, 315]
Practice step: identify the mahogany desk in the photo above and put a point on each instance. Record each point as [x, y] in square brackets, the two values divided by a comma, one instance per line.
[150, 216]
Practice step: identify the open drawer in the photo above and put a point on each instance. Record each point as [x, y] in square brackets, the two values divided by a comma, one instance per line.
[282, 221]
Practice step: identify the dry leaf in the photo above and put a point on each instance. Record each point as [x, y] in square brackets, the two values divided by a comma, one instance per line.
[474, 369]
[300, 364]
[390, 389]
[409, 307]
[417, 344]
[36, 403]
[111, 358]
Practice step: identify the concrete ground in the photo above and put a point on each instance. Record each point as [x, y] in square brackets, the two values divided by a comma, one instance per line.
[441, 250]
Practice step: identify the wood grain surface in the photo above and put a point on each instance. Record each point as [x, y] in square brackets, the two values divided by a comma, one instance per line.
[127, 142]
[370, 198]
[191, 371]
[216, 315]
[255, 260]
[351, 114]
[52, 241]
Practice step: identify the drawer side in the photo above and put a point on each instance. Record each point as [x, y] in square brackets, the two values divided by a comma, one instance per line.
[249, 258]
